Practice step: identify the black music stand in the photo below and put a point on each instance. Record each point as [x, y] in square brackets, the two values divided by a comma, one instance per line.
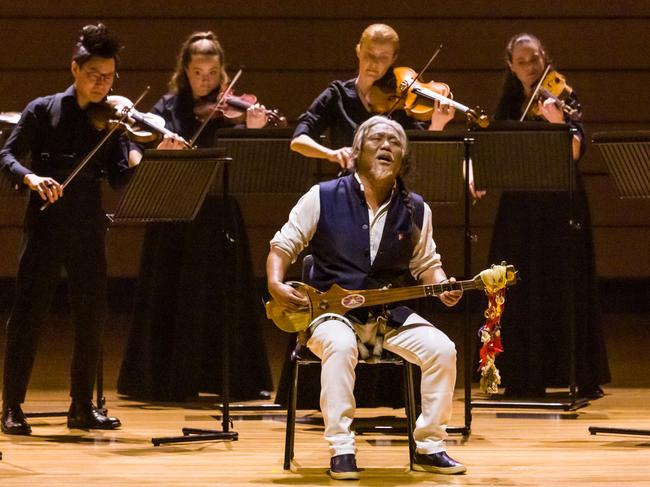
[170, 186]
[263, 165]
[438, 158]
[627, 154]
[440, 164]
[531, 156]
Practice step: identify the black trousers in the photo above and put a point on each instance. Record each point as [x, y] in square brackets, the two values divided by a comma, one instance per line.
[51, 242]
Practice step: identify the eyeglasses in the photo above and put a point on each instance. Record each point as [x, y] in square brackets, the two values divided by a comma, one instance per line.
[99, 78]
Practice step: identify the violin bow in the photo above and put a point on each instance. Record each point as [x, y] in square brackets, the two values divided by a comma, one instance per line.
[532, 97]
[415, 78]
[214, 109]
[82, 164]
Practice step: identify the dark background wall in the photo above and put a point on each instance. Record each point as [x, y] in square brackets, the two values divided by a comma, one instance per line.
[291, 50]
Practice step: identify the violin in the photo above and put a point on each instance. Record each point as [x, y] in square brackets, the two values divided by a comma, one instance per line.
[553, 85]
[401, 89]
[233, 110]
[109, 117]
[140, 127]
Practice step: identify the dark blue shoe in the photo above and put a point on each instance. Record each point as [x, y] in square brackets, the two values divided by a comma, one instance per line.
[437, 463]
[344, 467]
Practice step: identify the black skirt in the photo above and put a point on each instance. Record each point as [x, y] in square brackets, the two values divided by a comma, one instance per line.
[532, 232]
[174, 350]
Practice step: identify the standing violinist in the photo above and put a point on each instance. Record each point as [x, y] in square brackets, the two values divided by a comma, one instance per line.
[532, 230]
[58, 133]
[179, 309]
[344, 105]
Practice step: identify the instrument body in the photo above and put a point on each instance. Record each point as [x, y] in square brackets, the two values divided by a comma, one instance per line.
[109, 114]
[233, 110]
[553, 85]
[404, 91]
[420, 98]
[339, 301]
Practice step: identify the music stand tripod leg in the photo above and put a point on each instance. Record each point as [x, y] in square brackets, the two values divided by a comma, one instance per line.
[200, 434]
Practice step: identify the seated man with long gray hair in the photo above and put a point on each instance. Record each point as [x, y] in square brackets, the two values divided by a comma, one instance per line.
[366, 230]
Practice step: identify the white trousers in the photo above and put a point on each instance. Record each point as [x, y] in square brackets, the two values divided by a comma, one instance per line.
[417, 341]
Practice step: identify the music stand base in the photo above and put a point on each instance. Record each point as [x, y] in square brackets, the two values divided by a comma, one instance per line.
[402, 430]
[197, 434]
[554, 403]
[398, 426]
[618, 431]
[255, 407]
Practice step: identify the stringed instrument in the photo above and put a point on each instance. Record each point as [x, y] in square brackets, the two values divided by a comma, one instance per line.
[402, 89]
[233, 109]
[339, 301]
[552, 85]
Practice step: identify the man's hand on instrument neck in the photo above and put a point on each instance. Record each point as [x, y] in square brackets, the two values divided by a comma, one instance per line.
[437, 276]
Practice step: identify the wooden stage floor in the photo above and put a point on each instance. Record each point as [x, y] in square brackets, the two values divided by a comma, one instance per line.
[506, 448]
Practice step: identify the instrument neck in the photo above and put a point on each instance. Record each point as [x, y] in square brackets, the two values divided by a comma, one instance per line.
[432, 95]
[143, 122]
[236, 102]
[384, 296]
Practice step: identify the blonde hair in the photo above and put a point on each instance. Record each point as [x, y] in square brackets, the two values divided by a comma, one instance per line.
[197, 44]
[380, 33]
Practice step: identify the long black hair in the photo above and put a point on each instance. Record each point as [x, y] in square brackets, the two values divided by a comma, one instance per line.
[512, 91]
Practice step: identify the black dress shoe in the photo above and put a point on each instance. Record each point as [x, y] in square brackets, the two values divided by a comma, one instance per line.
[344, 467]
[84, 415]
[14, 421]
[437, 463]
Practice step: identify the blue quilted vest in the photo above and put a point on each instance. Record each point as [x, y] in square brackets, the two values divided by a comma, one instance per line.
[341, 244]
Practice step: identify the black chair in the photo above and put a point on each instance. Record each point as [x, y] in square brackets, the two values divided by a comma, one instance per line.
[302, 356]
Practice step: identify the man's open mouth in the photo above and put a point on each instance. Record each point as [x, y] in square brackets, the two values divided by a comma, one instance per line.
[385, 156]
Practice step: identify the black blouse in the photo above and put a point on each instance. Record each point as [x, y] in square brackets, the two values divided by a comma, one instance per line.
[340, 110]
[55, 134]
[178, 111]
